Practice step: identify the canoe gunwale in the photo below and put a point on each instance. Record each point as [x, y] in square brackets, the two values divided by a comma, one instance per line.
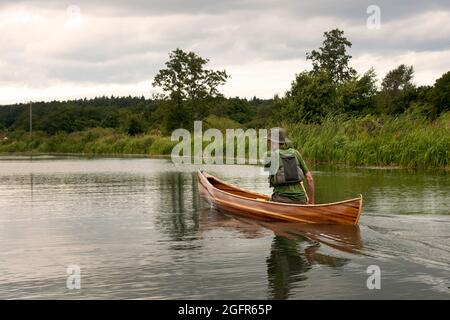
[206, 176]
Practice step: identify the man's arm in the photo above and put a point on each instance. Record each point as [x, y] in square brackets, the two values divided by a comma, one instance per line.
[310, 180]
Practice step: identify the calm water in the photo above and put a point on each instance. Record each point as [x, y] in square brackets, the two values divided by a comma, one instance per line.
[138, 229]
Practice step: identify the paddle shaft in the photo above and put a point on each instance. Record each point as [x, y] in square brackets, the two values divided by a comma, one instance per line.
[304, 190]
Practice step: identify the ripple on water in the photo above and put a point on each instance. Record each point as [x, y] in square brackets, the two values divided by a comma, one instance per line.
[138, 229]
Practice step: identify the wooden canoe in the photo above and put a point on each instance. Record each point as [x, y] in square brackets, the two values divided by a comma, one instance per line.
[244, 202]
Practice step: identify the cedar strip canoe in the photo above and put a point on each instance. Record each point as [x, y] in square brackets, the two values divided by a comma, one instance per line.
[244, 202]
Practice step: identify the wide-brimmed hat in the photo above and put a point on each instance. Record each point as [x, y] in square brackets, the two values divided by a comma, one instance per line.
[277, 135]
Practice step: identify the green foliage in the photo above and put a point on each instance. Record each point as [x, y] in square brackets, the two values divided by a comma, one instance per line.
[170, 116]
[314, 95]
[311, 97]
[239, 110]
[440, 94]
[370, 140]
[77, 115]
[220, 123]
[397, 90]
[333, 114]
[186, 78]
[398, 79]
[333, 87]
[162, 145]
[236, 109]
[92, 141]
[188, 86]
[129, 115]
[134, 126]
[332, 57]
[358, 94]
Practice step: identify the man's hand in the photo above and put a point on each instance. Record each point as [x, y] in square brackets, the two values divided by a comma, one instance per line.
[310, 180]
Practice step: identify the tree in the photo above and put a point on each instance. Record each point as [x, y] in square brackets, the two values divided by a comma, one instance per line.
[332, 86]
[311, 97]
[440, 94]
[239, 110]
[398, 79]
[397, 90]
[358, 94]
[332, 57]
[188, 85]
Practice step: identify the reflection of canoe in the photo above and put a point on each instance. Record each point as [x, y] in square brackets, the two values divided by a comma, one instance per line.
[244, 202]
[346, 238]
[342, 237]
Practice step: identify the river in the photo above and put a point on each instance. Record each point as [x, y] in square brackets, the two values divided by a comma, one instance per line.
[136, 228]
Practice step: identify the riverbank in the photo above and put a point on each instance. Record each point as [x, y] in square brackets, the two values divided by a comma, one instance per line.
[96, 141]
[405, 141]
[392, 142]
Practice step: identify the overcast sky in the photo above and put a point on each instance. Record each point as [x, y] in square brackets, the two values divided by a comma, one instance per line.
[70, 49]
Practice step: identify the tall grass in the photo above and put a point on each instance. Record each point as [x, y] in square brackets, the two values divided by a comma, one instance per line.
[387, 141]
[93, 141]
[406, 141]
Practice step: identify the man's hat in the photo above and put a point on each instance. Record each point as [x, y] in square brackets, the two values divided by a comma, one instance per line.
[278, 135]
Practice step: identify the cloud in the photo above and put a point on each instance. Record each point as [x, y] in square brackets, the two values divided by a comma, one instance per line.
[345, 9]
[53, 49]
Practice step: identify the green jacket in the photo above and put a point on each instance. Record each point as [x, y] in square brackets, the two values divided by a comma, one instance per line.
[293, 191]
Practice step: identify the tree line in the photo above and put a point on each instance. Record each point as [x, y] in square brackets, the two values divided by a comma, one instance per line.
[190, 91]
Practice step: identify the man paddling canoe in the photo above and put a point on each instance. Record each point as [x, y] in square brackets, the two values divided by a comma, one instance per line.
[288, 171]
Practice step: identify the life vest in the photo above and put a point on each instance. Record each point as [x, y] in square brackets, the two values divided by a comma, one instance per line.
[288, 170]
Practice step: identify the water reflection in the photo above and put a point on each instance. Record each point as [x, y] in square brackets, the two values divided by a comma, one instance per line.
[286, 265]
[139, 230]
[179, 204]
[295, 247]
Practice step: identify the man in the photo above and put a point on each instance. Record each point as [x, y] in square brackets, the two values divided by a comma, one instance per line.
[288, 171]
